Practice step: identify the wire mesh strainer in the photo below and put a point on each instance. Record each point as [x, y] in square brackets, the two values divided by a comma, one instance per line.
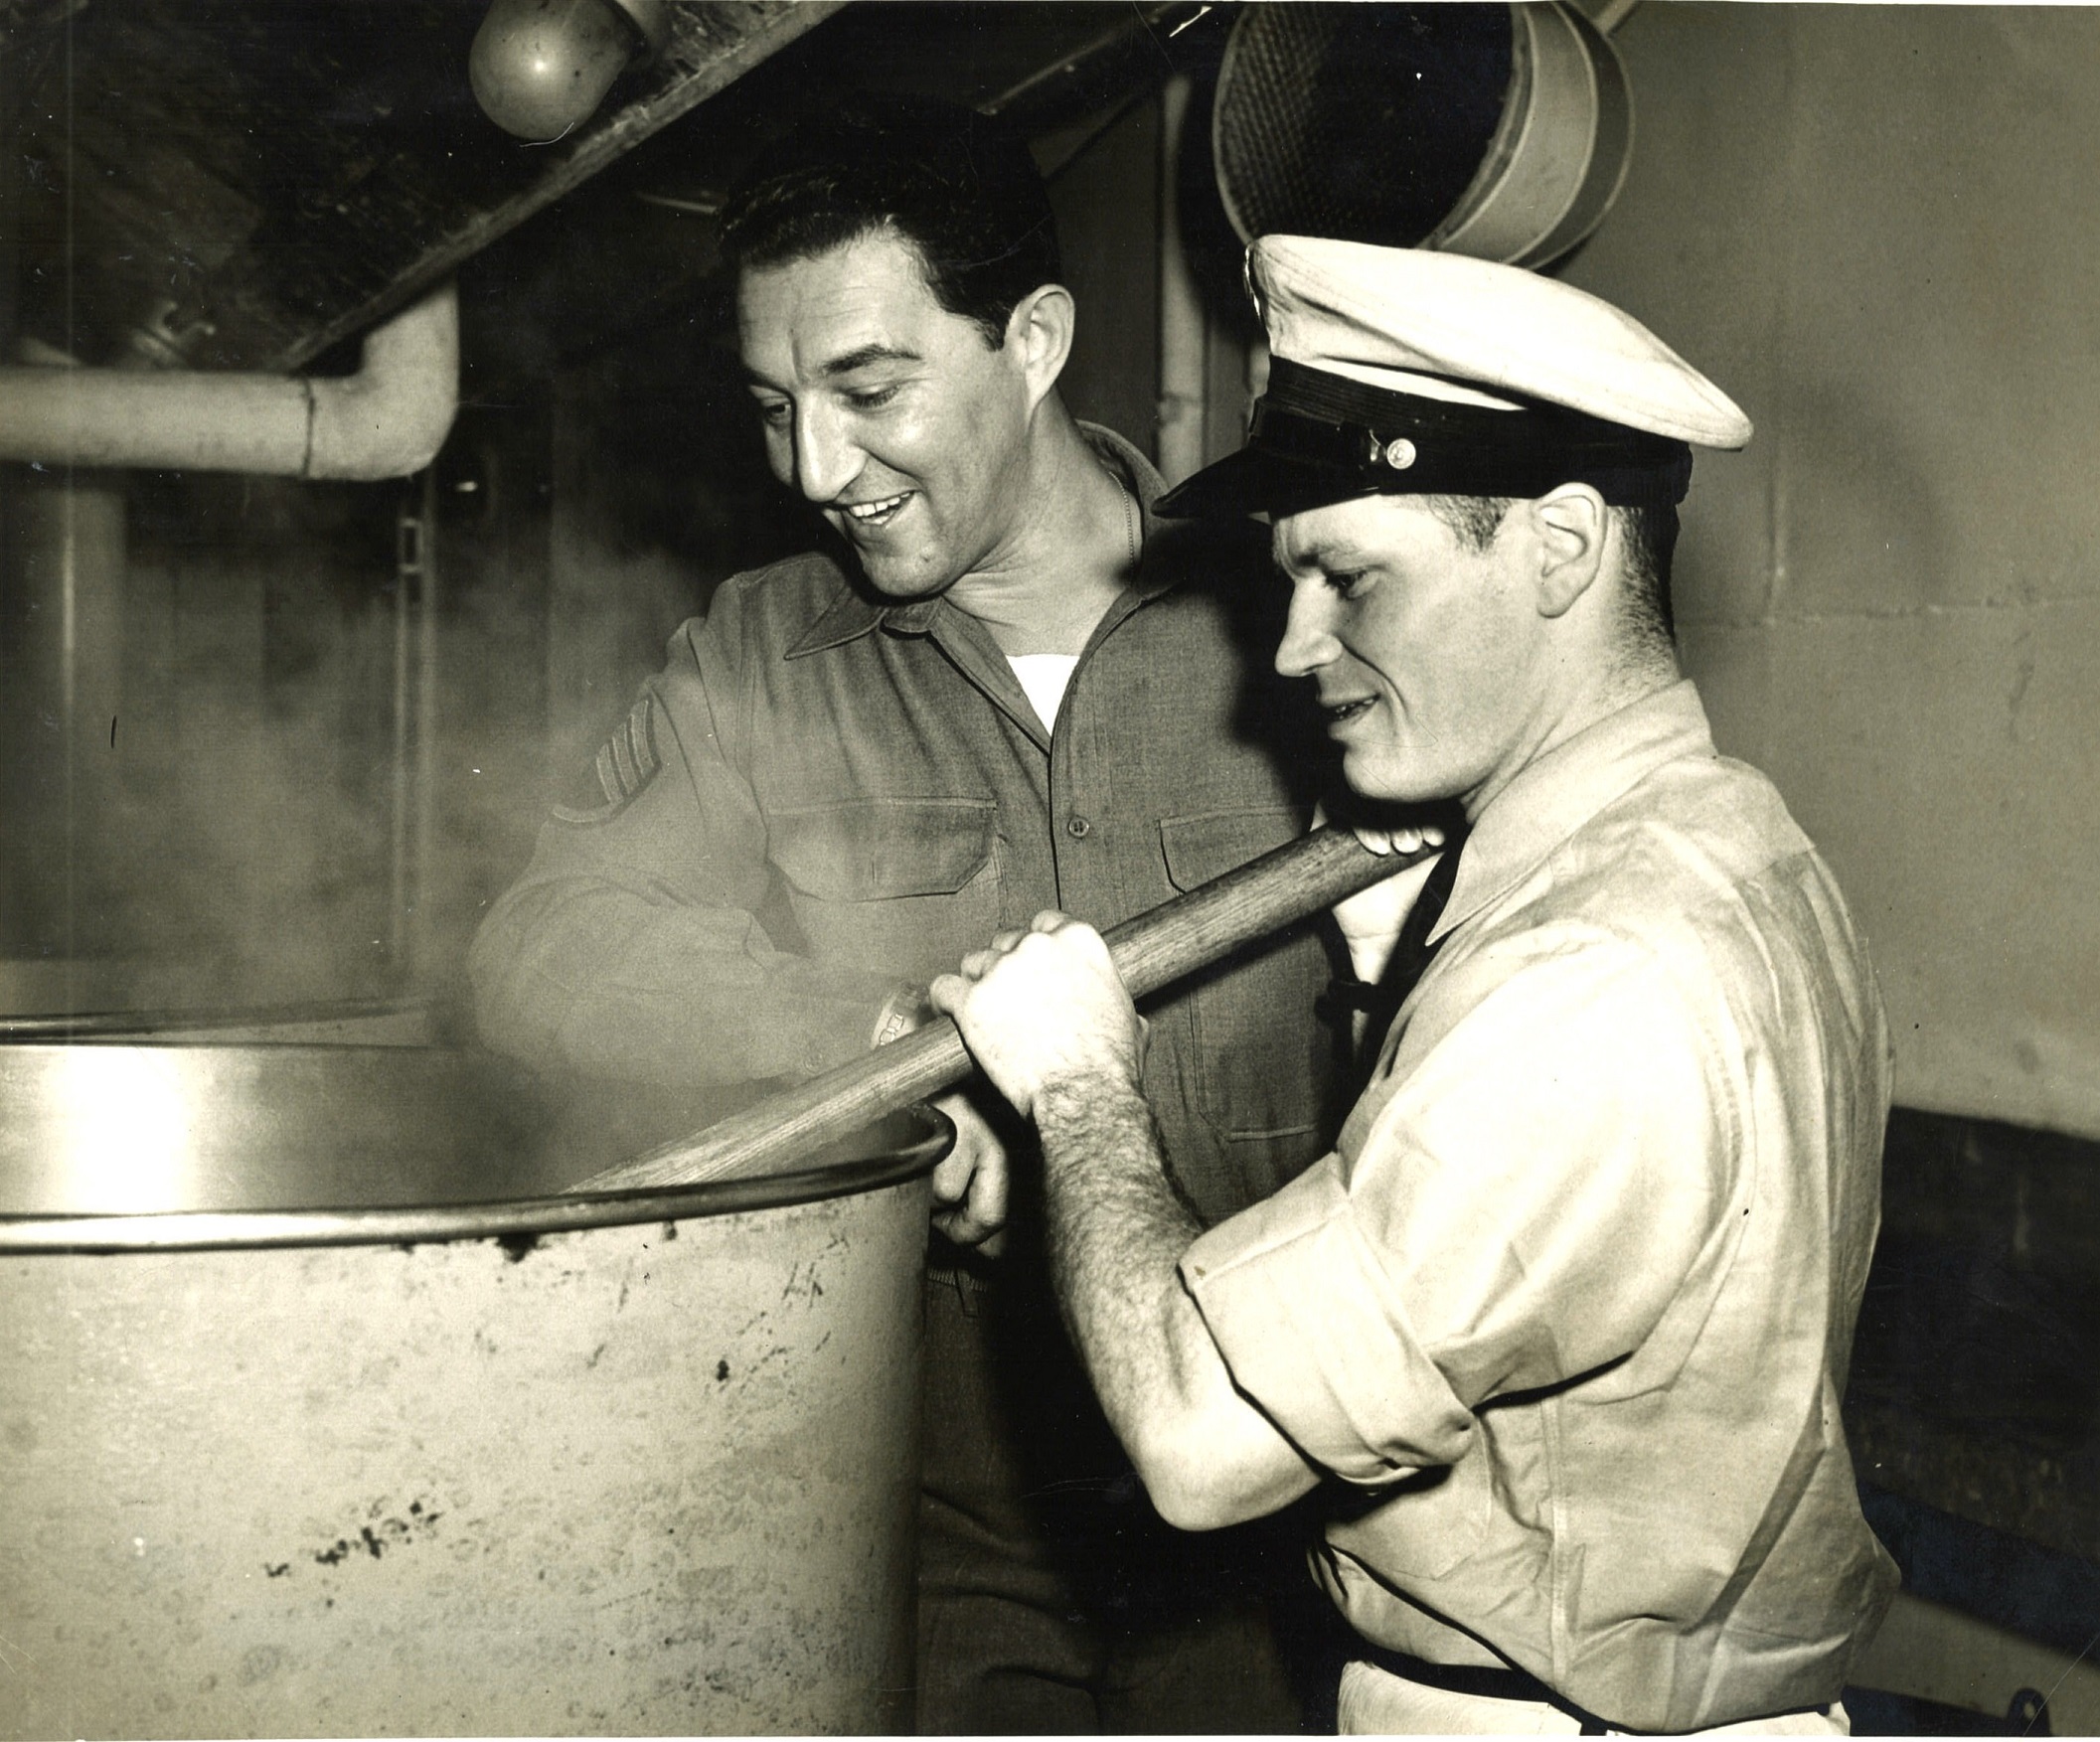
[1497, 130]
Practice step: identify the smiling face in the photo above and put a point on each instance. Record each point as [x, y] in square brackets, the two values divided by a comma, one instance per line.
[892, 416]
[1432, 659]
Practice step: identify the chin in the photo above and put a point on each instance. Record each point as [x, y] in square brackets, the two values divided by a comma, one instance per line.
[1372, 774]
[905, 580]
[1392, 779]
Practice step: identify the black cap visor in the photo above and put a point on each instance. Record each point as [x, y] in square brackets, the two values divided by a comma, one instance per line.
[1317, 438]
[1257, 480]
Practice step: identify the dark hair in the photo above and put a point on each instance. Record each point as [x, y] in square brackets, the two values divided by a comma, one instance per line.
[1474, 519]
[1651, 530]
[1651, 543]
[960, 187]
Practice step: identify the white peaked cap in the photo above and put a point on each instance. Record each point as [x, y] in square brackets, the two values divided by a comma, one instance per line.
[1388, 317]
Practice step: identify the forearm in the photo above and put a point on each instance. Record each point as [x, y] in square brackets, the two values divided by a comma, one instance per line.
[632, 946]
[1117, 1231]
[1047, 1020]
[595, 977]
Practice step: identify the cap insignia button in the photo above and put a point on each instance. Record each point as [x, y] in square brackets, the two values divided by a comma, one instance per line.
[1400, 455]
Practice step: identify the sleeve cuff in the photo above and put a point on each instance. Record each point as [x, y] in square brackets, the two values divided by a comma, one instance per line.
[1312, 1331]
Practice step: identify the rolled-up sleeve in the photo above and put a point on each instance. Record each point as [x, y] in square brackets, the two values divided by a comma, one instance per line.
[1517, 1204]
[1311, 1331]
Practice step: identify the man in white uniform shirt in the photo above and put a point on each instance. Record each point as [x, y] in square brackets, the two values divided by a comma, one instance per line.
[1562, 1324]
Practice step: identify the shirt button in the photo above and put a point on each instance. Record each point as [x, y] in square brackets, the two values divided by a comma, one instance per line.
[1079, 828]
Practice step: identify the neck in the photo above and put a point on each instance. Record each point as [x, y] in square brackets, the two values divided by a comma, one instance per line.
[1069, 555]
[1604, 679]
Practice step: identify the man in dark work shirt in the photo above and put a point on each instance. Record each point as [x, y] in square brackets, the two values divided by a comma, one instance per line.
[1003, 686]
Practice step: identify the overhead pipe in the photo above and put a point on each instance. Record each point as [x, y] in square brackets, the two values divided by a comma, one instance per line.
[387, 420]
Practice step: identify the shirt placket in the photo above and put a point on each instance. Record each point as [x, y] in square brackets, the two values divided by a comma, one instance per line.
[1092, 833]
[1087, 835]
[1013, 738]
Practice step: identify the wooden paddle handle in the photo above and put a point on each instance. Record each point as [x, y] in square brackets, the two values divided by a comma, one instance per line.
[1151, 951]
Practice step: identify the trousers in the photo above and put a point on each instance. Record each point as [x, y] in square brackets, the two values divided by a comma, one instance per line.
[1053, 1600]
[1374, 1702]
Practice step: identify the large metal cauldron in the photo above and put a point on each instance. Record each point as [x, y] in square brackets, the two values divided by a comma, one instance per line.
[446, 1454]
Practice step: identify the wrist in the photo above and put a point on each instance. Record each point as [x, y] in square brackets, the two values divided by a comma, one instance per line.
[1104, 1157]
[1078, 1094]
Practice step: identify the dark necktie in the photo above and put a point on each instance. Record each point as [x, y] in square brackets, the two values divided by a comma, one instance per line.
[1410, 959]
[1413, 952]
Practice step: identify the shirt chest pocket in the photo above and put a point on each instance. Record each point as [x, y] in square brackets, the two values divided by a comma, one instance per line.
[1263, 1063]
[901, 885]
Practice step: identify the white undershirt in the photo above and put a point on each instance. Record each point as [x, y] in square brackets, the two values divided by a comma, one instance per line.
[1044, 676]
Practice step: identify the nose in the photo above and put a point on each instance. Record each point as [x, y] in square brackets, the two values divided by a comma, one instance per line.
[825, 459]
[1308, 631]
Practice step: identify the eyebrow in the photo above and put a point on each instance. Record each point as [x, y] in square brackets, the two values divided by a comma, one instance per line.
[1321, 558]
[845, 364]
[867, 354]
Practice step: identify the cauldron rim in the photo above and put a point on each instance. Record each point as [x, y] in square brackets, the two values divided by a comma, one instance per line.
[509, 1219]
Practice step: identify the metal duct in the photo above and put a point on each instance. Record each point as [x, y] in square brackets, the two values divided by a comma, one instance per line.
[1499, 132]
[387, 420]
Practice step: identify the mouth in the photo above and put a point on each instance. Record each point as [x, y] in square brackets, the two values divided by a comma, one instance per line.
[877, 513]
[1341, 713]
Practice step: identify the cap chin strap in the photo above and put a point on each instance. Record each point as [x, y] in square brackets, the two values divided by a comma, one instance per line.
[1359, 440]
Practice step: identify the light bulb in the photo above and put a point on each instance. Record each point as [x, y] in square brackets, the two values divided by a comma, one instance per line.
[541, 67]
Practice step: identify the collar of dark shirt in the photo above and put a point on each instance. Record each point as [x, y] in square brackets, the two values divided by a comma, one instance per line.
[854, 614]
[1554, 796]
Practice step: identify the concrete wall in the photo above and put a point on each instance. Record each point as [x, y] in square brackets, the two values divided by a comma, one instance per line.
[1877, 228]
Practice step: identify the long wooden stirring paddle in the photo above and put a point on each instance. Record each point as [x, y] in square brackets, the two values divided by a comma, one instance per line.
[1153, 950]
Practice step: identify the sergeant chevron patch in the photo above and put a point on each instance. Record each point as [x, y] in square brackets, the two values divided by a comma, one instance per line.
[625, 766]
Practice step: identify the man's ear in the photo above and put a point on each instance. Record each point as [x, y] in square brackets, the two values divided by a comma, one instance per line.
[1039, 334]
[1572, 527]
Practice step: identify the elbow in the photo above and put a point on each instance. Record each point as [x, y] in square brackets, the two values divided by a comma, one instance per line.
[1208, 1457]
[1190, 1485]
[1194, 1508]
[490, 971]
[504, 1023]
[516, 1011]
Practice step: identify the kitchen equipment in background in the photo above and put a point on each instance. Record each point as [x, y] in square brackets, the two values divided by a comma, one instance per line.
[541, 67]
[1502, 132]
